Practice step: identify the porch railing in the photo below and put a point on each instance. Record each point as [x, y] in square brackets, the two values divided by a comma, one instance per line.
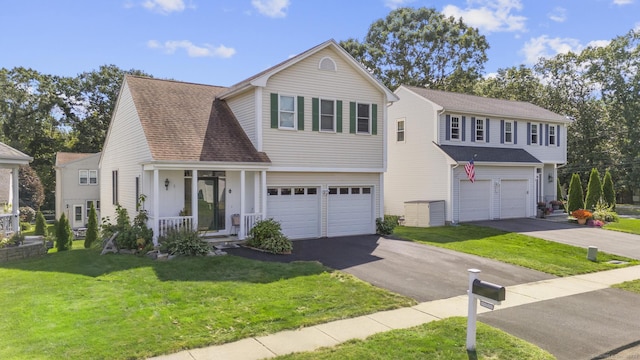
[250, 221]
[174, 223]
[6, 225]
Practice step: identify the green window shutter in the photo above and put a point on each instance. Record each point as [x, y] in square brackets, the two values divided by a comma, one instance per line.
[315, 114]
[274, 111]
[352, 117]
[300, 113]
[374, 119]
[339, 116]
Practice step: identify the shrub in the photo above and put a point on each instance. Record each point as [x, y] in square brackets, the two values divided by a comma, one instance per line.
[608, 191]
[605, 213]
[41, 224]
[558, 191]
[594, 190]
[267, 235]
[25, 226]
[27, 214]
[128, 235]
[575, 199]
[92, 228]
[183, 242]
[17, 239]
[64, 235]
[386, 225]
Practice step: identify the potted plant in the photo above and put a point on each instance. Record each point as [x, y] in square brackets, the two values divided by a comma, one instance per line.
[555, 204]
[542, 205]
[582, 215]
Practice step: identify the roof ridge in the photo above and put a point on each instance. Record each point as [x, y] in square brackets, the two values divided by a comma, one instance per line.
[174, 81]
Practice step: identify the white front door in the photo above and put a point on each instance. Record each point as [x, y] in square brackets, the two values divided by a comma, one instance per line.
[78, 217]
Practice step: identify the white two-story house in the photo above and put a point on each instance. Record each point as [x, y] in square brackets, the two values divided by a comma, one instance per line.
[302, 142]
[77, 186]
[516, 148]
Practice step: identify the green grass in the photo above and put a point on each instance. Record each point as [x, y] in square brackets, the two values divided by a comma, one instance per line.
[533, 253]
[444, 339]
[80, 305]
[627, 225]
[633, 286]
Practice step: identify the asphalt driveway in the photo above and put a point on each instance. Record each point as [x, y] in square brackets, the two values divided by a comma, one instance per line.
[416, 270]
[612, 242]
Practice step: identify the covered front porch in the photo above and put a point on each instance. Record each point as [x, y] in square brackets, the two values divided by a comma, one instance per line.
[214, 200]
[10, 161]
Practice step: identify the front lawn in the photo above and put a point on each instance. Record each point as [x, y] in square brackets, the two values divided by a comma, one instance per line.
[80, 305]
[627, 225]
[633, 286]
[437, 340]
[533, 253]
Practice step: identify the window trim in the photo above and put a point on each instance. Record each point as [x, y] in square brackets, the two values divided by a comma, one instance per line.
[482, 124]
[552, 137]
[505, 132]
[369, 118]
[83, 174]
[403, 131]
[293, 112]
[320, 115]
[535, 133]
[458, 119]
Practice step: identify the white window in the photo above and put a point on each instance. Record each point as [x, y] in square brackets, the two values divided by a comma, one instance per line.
[327, 115]
[84, 177]
[455, 128]
[400, 131]
[363, 121]
[552, 135]
[93, 177]
[534, 134]
[508, 132]
[287, 112]
[96, 205]
[480, 130]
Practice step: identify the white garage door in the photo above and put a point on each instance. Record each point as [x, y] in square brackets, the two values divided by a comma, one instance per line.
[350, 211]
[475, 200]
[513, 199]
[297, 209]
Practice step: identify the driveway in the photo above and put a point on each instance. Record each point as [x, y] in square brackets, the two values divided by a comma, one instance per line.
[419, 271]
[612, 242]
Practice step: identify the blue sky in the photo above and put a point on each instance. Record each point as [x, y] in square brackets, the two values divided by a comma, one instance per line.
[221, 42]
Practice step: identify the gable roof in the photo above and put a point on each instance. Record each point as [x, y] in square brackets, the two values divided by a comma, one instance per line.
[262, 77]
[9, 155]
[185, 122]
[490, 107]
[64, 158]
[488, 154]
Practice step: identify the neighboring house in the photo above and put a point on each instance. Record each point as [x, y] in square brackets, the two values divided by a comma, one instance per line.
[516, 148]
[77, 186]
[302, 142]
[10, 161]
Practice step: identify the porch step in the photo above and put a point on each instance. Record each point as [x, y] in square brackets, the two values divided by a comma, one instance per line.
[222, 242]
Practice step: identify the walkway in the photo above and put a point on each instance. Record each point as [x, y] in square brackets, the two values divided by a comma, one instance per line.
[333, 333]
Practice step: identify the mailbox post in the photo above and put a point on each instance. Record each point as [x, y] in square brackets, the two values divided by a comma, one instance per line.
[489, 295]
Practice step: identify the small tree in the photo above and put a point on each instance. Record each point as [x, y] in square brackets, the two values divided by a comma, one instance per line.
[594, 190]
[64, 235]
[558, 191]
[92, 228]
[575, 199]
[608, 192]
[41, 224]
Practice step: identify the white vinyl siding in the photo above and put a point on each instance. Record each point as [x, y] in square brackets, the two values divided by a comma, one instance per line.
[315, 149]
[244, 108]
[68, 189]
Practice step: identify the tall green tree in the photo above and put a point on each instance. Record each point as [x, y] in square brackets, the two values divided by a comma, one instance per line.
[41, 224]
[422, 47]
[514, 83]
[608, 190]
[30, 187]
[594, 190]
[575, 199]
[92, 228]
[64, 235]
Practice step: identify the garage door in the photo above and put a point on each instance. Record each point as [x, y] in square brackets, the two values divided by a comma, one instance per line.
[350, 211]
[297, 209]
[475, 200]
[513, 198]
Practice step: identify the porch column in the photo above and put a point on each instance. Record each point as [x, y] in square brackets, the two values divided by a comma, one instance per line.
[242, 229]
[194, 199]
[263, 192]
[156, 206]
[15, 202]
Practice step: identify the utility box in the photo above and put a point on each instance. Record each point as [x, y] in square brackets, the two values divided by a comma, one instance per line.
[424, 213]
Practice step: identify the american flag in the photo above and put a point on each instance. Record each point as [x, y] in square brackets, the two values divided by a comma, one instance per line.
[470, 170]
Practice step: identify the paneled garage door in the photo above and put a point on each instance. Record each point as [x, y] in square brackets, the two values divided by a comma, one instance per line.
[513, 198]
[475, 200]
[350, 210]
[297, 209]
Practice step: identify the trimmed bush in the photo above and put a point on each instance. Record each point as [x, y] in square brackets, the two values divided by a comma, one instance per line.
[41, 224]
[183, 242]
[558, 191]
[267, 235]
[64, 235]
[27, 214]
[594, 190]
[92, 228]
[608, 191]
[386, 225]
[605, 213]
[575, 199]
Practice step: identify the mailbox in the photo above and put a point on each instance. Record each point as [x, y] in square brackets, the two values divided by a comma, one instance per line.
[488, 290]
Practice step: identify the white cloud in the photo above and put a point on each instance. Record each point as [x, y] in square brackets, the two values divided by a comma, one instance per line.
[598, 43]
[192, 50]
[546, 47]
[559, 14]
[623, 2]
[164, 6]
[490, 15]
[271, 8]
[394, 4]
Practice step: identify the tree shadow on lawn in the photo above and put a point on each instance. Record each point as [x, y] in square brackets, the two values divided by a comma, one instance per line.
[89, 262]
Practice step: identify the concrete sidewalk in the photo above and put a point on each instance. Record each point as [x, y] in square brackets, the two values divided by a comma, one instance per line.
[334, 333]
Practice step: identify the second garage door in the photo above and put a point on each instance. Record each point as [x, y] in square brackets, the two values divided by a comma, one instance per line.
[475, 200]
[513, 199]
[297, 209]
[350, 211]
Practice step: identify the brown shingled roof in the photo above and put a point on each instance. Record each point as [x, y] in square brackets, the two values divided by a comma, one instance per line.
[184, 122]
[63, 158]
